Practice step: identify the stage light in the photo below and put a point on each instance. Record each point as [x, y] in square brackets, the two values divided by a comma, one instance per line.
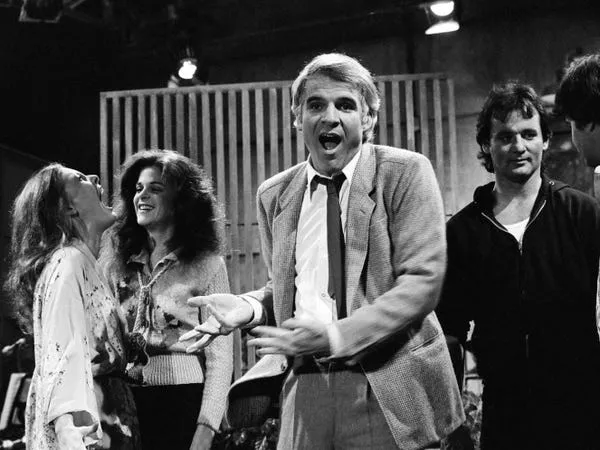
[443, 26]
[188, 68]
[442, 9]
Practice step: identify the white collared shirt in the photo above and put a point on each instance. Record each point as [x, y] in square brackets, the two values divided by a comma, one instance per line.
[312, 300]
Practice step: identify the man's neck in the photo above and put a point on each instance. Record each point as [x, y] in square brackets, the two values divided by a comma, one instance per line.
[514, 201]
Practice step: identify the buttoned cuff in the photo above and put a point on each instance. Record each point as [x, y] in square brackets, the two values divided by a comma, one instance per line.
[257, 306]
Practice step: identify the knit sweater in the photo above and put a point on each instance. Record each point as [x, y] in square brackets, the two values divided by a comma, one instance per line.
[169, 317]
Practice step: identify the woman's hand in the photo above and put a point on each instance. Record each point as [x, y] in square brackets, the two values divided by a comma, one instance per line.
[203, 438]
[68, 435]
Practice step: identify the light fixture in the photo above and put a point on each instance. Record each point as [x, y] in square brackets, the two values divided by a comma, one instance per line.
[187, 68]
[442, 9]
[441, 16]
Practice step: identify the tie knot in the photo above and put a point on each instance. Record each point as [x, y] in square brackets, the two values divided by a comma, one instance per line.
[334, 182]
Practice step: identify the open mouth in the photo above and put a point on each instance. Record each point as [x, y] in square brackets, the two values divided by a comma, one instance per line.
[329, 141]
[143, 207]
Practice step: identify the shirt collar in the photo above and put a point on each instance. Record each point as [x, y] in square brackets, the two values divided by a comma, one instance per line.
[348, 169]
[143, 257]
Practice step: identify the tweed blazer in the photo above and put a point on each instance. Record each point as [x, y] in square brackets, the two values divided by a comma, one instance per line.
[395, 264]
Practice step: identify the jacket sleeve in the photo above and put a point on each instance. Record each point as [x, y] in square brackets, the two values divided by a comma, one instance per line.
[416, 231]
[453, 310]
[219, 363]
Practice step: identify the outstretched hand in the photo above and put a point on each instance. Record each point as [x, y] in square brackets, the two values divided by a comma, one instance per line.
[227, 312]
[295, 337]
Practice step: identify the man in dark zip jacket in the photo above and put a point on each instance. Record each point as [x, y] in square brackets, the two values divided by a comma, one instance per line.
[522, 265]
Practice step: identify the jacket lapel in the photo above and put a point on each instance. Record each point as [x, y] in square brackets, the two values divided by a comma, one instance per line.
[285, 224]
[360, 210]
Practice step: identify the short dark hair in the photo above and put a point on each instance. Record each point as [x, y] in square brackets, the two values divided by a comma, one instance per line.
[578, 96]
[502, 100]
[198, 217]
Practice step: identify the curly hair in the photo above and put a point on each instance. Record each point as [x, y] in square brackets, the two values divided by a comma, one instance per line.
[501, 102]
[578, 96]
[39, 225]
[345, 69]
[198, 217]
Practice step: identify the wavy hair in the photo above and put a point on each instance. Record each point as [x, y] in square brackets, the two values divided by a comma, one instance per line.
[502, 100]
[345, 69]
[198, 219]
[39, 225]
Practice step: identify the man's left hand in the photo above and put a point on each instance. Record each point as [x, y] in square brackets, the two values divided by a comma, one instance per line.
[203, 438]
[295, 337]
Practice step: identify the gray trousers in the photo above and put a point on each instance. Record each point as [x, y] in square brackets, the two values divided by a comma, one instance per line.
[326, 410]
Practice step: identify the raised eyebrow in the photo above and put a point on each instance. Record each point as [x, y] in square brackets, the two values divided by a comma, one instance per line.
[346, 99]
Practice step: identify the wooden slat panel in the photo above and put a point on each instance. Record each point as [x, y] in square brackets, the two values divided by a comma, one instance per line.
[410, 115]
[220, 156]
[167, 123]
[439, 133]
[141, 123]
[233, 216]
[180, 124]
[424, 118]
[451, 206]
[382, 119]
[153, 122]
[104, 150]
[260, 137]
[247, 196]
[273, 132]
[206, 149]
[396, 118]
[193, 129]
[128, 127]
[116, 137]
[286, 126]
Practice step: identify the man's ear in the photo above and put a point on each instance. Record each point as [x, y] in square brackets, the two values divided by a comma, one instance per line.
[546, 144]
[485, 149]
[367, 122]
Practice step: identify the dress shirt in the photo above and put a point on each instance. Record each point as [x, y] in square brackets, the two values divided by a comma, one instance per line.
[312, 300]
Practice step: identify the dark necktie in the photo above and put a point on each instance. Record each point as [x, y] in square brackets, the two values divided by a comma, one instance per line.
[335, 240]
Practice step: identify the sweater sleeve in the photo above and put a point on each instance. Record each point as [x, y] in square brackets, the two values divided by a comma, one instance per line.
[219, 362]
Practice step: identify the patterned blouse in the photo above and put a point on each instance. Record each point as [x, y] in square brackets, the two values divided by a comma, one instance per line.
[79, 354]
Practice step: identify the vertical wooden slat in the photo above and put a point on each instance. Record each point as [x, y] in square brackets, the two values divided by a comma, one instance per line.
[104, 177]
[424, 117]
[260, 137]
[206, 150]
[167, 122]
[234, 215]
[410, 115]
[179, 124]
[193, 128]
[141, 122]
[451, 207]
[286, 126]
[396, 118]
[116, 136]
[220, 156]
[128, 127]
[273, 132]
[153, 122]
[382, 114]
[248, 197]
[439, 133]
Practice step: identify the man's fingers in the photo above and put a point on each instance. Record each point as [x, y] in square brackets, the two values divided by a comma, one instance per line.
[265, 331]
[189, 335]
[200, 344]
[200, 300]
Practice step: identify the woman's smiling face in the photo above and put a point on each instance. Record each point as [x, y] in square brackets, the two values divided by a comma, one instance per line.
[153, 200]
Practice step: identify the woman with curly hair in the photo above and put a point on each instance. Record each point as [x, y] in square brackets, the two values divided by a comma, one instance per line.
[164, 248]
[78, 396]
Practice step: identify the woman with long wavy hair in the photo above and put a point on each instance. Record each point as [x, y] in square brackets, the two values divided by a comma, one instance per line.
[165, 248]
[78, 398]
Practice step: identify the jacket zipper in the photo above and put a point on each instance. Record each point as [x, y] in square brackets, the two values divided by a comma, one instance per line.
[520, 244]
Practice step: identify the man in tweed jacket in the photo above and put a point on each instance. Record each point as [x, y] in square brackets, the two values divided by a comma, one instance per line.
[381, 377]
